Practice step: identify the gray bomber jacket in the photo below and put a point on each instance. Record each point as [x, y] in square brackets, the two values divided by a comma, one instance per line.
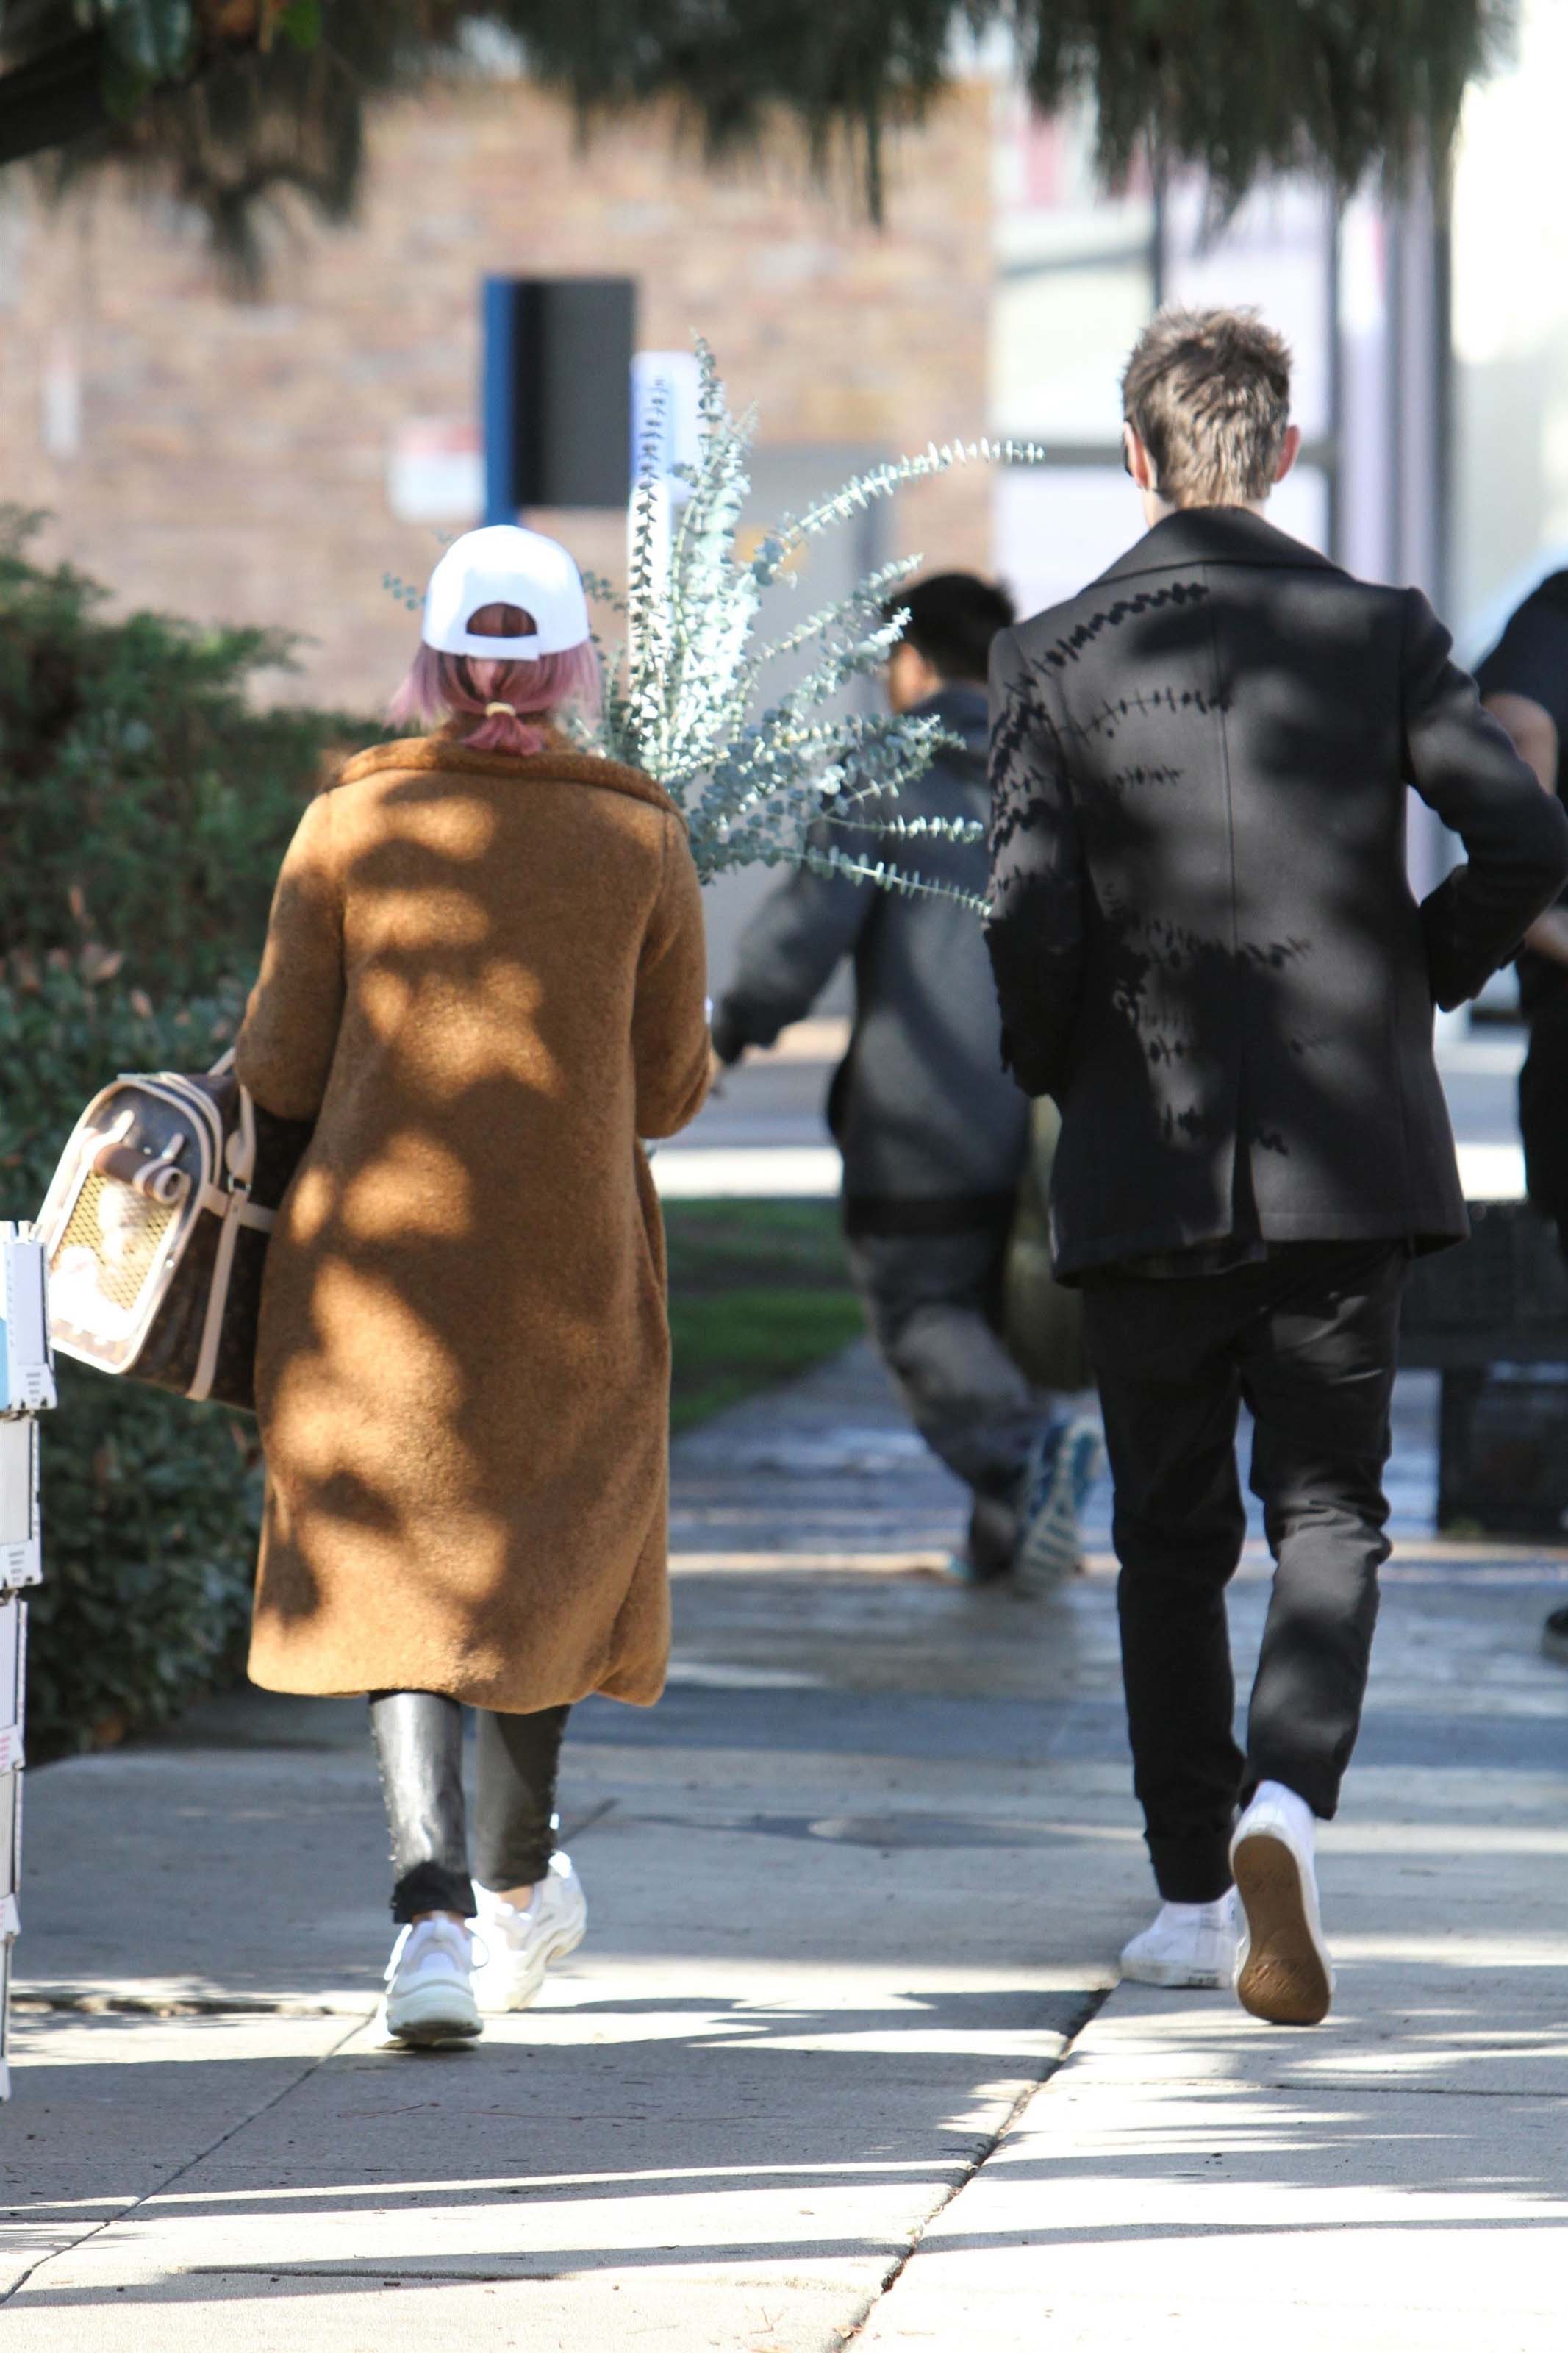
[933, 1132]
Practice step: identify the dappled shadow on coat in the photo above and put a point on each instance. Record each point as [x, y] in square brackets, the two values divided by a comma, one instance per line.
[463, 1360]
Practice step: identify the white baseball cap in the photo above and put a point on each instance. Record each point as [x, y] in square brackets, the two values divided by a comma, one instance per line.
[504, 565]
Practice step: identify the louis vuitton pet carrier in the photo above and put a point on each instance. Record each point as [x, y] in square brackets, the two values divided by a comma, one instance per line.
[156, 1228]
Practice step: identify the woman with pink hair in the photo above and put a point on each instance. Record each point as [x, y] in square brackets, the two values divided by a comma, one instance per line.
[483, 983]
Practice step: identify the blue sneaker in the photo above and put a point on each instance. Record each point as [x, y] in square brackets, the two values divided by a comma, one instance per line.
[1066, 1462]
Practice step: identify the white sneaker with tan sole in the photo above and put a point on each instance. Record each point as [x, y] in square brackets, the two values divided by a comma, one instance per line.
[1283, 1972]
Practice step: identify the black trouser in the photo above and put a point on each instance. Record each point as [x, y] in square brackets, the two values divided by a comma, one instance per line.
[419, 1748]
[1308, 1338]
[1544, 1119]
[934, 1305]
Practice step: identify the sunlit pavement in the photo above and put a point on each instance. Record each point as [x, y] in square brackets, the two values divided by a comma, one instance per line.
[837, 2055]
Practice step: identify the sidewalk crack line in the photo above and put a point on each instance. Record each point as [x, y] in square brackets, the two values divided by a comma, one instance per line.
[1093, 2004]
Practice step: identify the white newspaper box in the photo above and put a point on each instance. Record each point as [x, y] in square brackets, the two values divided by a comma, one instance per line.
[21, 1556]
[27, 1361]
[13, 1663]
[27, 1389]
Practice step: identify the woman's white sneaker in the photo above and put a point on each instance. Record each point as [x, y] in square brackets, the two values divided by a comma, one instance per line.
[1185, 1945]
[1283, 1972]
[430, 1985]
[519, 1946]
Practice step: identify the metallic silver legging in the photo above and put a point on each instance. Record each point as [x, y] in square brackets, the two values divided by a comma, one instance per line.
[418, 1739]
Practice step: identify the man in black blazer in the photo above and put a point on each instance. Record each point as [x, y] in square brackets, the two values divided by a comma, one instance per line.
[1207, 949]
[1524, 684]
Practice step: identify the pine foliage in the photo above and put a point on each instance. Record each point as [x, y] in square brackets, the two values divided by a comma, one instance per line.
[229, 103]
[230, 121]
[1236, 87]
[760, 772]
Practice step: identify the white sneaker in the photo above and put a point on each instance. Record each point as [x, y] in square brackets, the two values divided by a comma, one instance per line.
[1283, 1972]
[519, 1946]
[1185, 1945]
[430, 1985]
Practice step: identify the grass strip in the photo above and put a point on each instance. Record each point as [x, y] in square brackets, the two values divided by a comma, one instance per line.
[759, 1293]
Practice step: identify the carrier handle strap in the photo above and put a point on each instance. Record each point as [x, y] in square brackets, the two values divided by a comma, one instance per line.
[224, 1203]
[217, 1300]
[239, 1152]
[240, 1210]
[235, 1208]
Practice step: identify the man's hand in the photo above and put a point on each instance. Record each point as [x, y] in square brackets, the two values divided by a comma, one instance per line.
[727, 1049]
[1534, 734]
[1548, 936]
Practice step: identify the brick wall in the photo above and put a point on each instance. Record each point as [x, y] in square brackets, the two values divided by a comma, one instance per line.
[230, 458]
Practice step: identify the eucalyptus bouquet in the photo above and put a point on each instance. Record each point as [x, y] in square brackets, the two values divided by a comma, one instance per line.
[764, 781]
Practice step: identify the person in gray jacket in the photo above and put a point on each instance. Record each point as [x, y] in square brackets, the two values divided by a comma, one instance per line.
[933, 1131]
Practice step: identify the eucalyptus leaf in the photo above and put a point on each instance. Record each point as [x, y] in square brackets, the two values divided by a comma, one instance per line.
[684, 690]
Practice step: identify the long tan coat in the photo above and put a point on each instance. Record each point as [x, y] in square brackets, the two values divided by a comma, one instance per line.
[484, 982]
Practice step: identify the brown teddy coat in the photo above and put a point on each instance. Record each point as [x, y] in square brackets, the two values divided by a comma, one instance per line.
[484, 982]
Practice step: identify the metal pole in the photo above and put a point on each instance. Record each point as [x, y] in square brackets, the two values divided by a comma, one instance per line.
[497, 396]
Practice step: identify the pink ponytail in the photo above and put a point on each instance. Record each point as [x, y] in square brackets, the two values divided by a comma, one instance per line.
[439, 687]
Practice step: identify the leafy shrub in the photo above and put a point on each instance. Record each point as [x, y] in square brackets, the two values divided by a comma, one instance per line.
[143, 802]
[150, 1509]
[149, 1504]
[145, 808]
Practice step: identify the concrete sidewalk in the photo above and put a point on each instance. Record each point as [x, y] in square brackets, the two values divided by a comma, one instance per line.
[837, 2059]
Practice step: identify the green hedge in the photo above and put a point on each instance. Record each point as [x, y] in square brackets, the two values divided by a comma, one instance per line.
[759, 1291]
[143, 802]
[145, 806]
[150, 1505]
